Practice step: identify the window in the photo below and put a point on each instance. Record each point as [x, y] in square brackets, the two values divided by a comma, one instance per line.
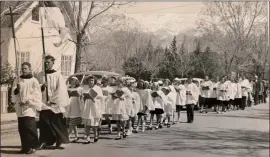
[22, 57]
[35, 14]
[66, 62]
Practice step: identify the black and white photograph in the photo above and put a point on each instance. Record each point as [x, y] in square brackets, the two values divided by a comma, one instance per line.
[135, 78]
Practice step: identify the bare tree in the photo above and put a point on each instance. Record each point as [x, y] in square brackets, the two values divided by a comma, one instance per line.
[230, 26]
[83, 14]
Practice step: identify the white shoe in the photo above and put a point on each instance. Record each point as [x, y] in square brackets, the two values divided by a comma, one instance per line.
[129, 132]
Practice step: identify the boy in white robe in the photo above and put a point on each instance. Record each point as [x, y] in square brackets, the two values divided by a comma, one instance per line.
[245, 88]
[238, 95]
[192, 96]
[27, 99]
[51, 120]
[206, 89]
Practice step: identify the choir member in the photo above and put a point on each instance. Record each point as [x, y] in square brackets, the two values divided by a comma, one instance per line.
[91, 111]
[27, 98]
[74, 109]
[51, 120]
[180, 98]
[206, 89]
[192, 96]
[223, 94]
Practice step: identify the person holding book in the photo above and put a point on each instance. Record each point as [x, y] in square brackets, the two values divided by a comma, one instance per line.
[106, 109]
[206, 89]
[192, 96]
[117, 102]
[214, 94]
[223, 94]
[27, 98]
[74, 109]
[52, 125]
[91, 111]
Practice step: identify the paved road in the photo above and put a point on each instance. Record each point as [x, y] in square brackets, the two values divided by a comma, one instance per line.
[237, 133]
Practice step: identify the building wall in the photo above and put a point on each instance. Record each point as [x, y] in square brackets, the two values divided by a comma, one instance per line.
[29, 40]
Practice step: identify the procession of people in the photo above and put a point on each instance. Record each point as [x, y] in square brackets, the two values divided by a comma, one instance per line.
[61, 109]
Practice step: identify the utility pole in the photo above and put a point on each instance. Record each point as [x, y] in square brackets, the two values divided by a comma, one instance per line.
[44, 51]
[11, 14]
[268, 43]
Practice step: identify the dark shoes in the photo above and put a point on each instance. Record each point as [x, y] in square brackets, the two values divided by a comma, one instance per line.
[27, 151]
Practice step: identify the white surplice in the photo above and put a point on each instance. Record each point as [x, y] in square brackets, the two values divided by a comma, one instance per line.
[214, 92]
[30, 94]
[245, 87]
[181, 95]
[195, 92]
[57, 92]
[206, 93]
[223, 91]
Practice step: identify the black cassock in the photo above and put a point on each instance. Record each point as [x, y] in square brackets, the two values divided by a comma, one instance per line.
[52, 128]
[52, 125]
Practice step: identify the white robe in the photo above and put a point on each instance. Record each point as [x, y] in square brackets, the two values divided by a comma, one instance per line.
[223, 90]
[173, 96]
[181, 96]
[230, 90]
[57, 91]
[245, 87]
[206, 93]
[233, 91]
[75, 104]
[104, 106]
[136, 103]
[195, 92]
[238, 93]
[214, 93]
[30, 94]
[92, 109]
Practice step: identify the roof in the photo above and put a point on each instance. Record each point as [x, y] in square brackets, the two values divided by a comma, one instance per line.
[107, 73]
[17, 6]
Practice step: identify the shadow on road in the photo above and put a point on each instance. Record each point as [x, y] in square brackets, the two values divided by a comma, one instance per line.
[10, 149]
[221, 142]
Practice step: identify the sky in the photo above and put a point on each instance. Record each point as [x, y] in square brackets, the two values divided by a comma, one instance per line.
[175, 16]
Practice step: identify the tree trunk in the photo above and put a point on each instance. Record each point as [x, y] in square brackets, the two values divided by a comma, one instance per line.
[78, 53]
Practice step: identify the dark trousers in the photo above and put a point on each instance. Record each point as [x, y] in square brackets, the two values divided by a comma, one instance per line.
[190, 112]
[28, 132]
[244, 102]
[238, 102]
[53, 128]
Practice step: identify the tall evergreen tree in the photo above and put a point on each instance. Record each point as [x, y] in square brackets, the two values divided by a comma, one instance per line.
[173, 46]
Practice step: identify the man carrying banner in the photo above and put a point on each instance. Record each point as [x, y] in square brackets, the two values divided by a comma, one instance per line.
[51, 121]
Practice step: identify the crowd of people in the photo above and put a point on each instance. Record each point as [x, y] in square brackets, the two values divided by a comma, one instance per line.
[61, 109]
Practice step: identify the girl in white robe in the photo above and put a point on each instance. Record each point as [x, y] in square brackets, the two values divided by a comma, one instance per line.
[159, 101]
[91, 112]
[180, 98]
[74, 112]
[106, 110]
[146, 99]
[117, 102]
[155, 88]
[171, 99]
[27, 98]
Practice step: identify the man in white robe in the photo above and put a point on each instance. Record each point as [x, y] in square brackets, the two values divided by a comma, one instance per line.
[51, 120]
[27, 99]
[192, 96]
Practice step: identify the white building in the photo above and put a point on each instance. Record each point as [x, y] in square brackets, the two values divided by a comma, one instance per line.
[29, 42]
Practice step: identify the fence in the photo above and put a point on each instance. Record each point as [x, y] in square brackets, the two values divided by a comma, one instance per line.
[4, 99]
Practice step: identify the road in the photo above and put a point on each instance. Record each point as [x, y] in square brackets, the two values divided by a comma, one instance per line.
[233, 134]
